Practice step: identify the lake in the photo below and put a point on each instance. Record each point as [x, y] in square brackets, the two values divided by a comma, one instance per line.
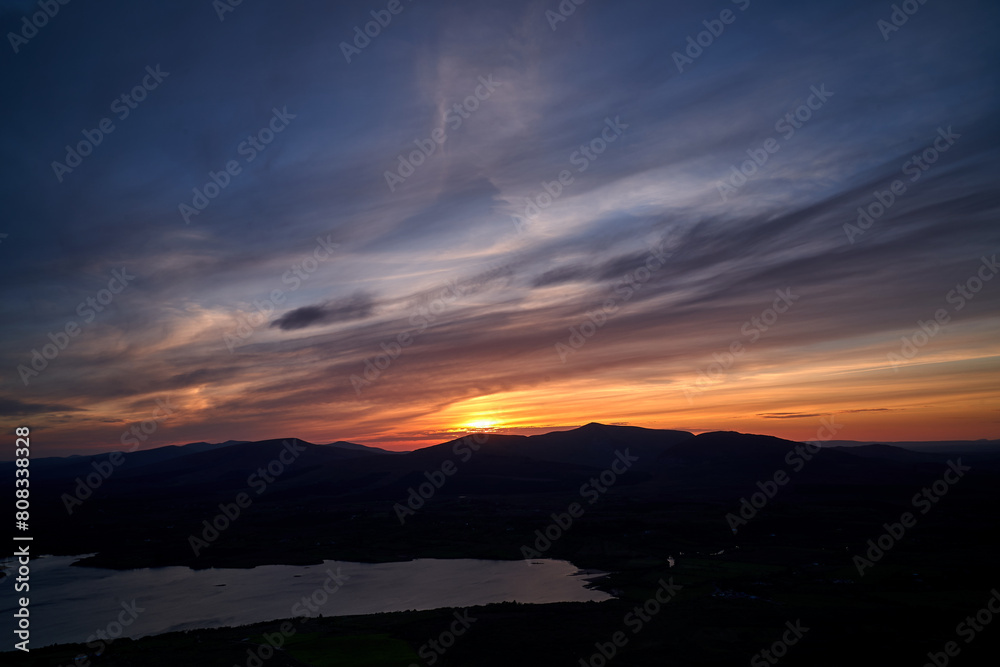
[70, 604]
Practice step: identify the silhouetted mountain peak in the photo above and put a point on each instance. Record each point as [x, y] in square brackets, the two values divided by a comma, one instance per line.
[596, 444]
[731, 446]
[355, 447]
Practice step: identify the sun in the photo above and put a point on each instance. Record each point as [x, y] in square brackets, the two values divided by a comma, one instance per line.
[482, 424]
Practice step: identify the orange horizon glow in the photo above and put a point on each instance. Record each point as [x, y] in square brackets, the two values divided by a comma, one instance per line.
[786, 390]
[792, 405]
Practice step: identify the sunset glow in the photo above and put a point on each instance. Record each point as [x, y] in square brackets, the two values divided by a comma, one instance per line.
[319, 298]
[481, 425]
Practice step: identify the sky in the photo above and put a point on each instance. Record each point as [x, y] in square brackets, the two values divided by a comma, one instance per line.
[257, 221]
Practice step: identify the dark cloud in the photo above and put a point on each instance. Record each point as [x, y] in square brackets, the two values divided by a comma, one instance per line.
[356, 307]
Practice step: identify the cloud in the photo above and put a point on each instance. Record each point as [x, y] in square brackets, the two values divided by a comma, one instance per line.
[356, 307]
[788, 415]
[11, 407]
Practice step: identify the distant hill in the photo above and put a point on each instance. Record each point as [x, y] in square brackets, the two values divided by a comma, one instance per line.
[592, 445]
[343, 497]
[888, 452]
[72, 466]
[596, 444]
[341, 444]
[938, 446]
[230, 466]
[671, 464]
[729, 447]
[501, 463]
[171, 459]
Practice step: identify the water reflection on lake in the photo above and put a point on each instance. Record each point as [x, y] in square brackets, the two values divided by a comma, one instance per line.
[70, 604]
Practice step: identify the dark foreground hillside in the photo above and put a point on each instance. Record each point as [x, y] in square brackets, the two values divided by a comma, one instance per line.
[744, 578]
